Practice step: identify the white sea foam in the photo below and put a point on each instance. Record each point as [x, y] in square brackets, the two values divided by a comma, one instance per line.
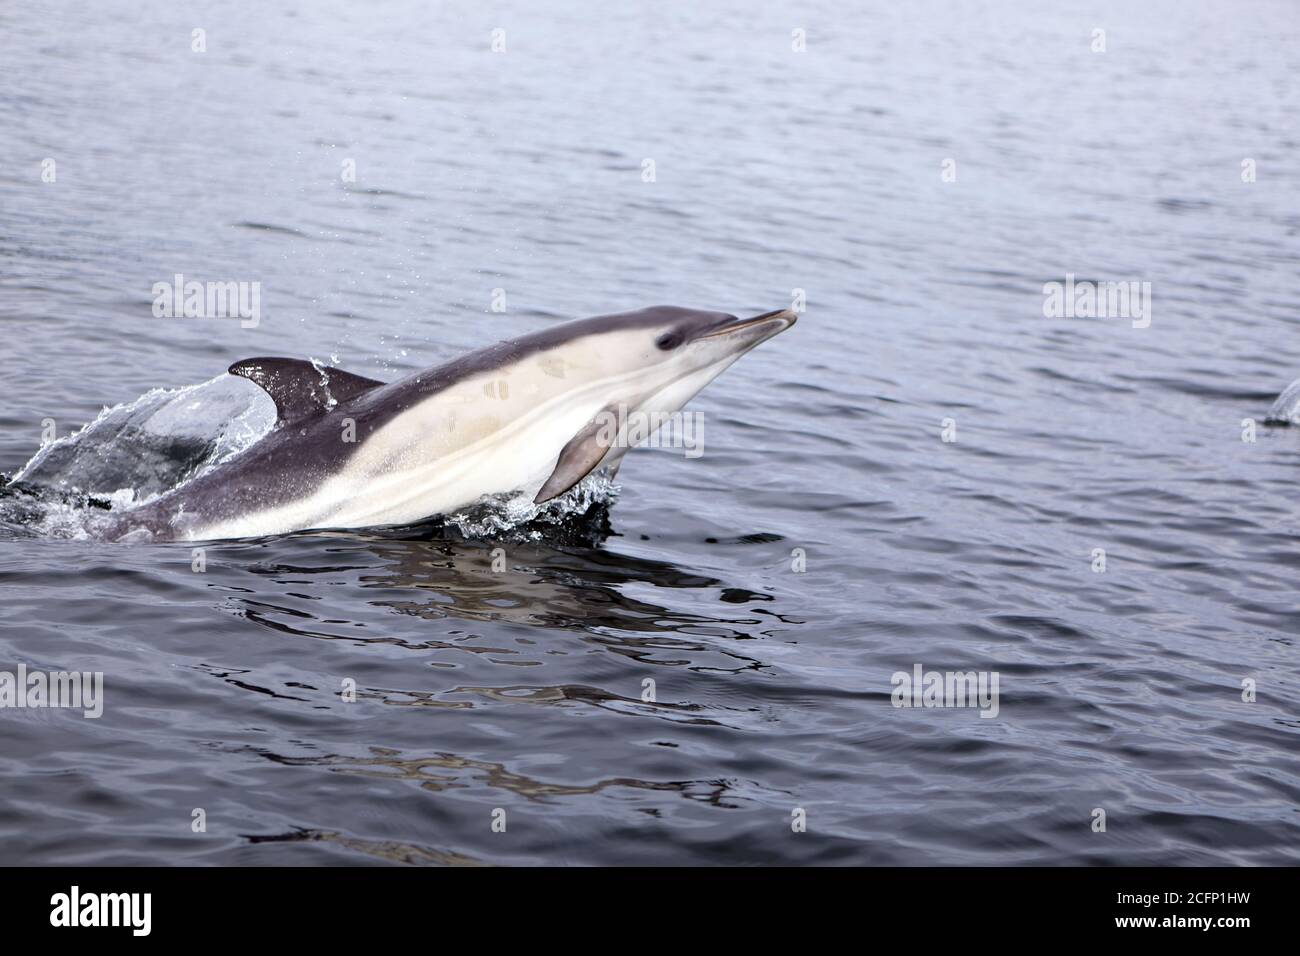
[503, 514]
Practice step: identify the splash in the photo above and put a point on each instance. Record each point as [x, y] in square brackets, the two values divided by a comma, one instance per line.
[1286, 410]
[149, 446]
[517, 516]
[133, 452]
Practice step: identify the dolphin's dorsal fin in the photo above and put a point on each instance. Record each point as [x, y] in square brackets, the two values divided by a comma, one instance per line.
[302, 389]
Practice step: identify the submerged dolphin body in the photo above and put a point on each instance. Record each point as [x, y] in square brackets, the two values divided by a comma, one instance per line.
[351, 452]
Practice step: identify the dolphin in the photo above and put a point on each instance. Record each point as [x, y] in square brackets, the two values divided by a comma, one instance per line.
[530, 414]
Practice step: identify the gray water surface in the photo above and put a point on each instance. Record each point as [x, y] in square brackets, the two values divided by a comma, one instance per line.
[522, 689]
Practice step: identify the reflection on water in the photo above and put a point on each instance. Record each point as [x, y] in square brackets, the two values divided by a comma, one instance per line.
[389, 851]
[538, 607]
[554, 585]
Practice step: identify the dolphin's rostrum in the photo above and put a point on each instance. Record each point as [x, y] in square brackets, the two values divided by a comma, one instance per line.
[351, 452]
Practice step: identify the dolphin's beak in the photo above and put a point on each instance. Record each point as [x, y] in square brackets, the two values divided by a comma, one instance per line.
[759, 328]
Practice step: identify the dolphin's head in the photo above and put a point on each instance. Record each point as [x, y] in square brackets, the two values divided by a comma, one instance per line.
[657, 359]
[692, 348]
[700, 339]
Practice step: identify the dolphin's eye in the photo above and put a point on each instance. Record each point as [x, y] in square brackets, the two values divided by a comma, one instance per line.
[668, 341]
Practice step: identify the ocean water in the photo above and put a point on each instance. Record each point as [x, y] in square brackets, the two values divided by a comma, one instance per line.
[696, 667]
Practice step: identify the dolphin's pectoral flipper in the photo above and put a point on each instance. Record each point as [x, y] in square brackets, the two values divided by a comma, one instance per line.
[301, 389]
[578, 459]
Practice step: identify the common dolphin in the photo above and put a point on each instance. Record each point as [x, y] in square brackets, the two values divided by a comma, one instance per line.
[518, 416]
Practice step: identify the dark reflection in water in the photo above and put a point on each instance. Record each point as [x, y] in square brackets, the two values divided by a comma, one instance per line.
[569, 584]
